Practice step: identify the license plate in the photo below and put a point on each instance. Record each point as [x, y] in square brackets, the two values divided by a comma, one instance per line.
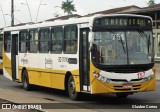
[127, 86]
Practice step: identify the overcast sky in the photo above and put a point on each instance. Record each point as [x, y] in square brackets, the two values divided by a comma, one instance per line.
[48, 11]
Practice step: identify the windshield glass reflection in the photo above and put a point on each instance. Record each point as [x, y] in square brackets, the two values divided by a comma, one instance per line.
[122, 48]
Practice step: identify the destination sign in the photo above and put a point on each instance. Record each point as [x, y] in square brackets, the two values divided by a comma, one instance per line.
[122, 22]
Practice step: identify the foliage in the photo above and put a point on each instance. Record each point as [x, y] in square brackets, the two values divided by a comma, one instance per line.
[151, 2]
[68, 7]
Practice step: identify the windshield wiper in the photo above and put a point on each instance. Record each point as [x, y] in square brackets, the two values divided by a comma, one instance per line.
[144, 35]
[121, 41]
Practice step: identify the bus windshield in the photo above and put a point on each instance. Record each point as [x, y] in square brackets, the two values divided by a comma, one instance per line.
[122, 47]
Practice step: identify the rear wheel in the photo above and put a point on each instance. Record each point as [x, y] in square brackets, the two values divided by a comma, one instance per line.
[72, 89]
[26, 84]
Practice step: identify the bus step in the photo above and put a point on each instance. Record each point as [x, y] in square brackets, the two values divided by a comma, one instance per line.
[15, 80]
[85, 91]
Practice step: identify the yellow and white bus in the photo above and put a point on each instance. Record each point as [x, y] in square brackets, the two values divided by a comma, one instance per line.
[99, 54]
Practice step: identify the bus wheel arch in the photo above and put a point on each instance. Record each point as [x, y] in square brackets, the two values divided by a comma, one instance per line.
[68, 74]
[69, 83]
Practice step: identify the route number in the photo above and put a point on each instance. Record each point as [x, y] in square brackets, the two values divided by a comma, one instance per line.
[141, 75]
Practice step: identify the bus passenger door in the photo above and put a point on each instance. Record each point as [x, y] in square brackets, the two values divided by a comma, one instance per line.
[84, 60]
[14, 56]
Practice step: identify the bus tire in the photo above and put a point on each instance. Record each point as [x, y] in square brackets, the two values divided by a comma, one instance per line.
[26, 84]
[72, 89]
[122, 95]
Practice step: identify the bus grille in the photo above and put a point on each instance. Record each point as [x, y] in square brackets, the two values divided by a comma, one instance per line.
[125, 81]
[120, 88]
[119, 80]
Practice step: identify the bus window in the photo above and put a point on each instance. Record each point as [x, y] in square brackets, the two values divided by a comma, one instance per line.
[56, 39]
[44, 40]
[7, 42]
[23, 39]
[33, 41]
[70, 39]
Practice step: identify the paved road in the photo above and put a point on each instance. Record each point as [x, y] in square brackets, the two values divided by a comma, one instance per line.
[99, 103]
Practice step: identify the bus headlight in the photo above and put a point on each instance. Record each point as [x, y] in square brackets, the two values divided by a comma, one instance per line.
[145, 79]
[149, 77]
[108, 80]
[100, 77]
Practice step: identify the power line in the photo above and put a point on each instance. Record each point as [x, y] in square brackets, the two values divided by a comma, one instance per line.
[12, 13]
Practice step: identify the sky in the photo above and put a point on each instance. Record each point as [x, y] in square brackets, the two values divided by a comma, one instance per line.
[49, 8]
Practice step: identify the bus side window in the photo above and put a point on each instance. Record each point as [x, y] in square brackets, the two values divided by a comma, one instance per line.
[70, 39]
[56, 39]
[33, 41]
[23, 40]
[7, 42]
[44, 40]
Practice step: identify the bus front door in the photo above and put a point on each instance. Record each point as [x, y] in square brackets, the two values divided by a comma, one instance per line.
[84, 60]
[14, 53]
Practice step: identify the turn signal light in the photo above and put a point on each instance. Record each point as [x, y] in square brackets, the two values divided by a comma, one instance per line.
[96, 74]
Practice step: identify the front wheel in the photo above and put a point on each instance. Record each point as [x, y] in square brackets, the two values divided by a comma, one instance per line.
[72, 89]
[122, 95]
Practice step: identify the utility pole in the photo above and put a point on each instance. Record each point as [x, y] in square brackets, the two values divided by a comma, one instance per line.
[12, 13]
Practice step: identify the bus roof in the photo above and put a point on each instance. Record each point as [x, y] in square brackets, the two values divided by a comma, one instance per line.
[59, 22]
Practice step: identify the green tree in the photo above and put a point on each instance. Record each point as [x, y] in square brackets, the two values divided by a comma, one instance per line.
[151, 2]
[68, 7]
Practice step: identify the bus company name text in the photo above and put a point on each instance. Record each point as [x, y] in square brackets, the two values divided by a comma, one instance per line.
[24, 61]
[48, 61]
